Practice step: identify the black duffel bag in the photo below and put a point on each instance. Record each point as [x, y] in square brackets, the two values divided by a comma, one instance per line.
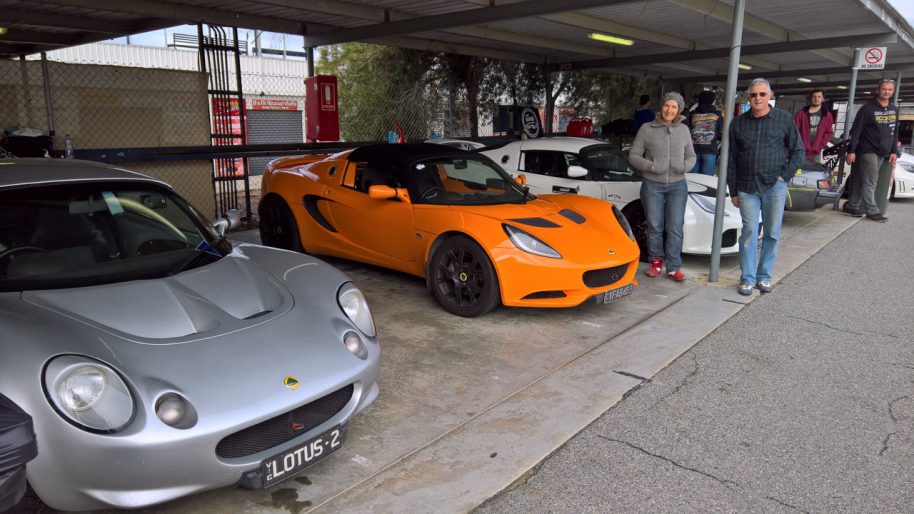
[17, 447]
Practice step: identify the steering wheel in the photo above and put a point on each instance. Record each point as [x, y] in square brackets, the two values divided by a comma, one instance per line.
[16, 249]
[432, 192]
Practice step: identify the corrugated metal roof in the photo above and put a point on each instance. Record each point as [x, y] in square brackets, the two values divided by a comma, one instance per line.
[658, 27]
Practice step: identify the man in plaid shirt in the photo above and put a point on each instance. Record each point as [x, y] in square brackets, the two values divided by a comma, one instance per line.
[765, 153]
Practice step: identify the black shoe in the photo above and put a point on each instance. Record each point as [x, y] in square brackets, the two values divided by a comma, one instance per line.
[851, 212]
[879, 218]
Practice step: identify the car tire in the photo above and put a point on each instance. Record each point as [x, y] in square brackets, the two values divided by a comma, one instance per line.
[277, 225]
[634, 213]
[462, 278]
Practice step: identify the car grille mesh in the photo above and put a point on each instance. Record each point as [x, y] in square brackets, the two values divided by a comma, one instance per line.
[728, 238]
[279, 429]
[605, 276]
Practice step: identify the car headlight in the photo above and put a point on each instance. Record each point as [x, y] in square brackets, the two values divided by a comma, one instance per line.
[623, 222]
[907, 166]
[354, 344]
[88, 393]
[356, 309]
[530, 244]
[705, 203]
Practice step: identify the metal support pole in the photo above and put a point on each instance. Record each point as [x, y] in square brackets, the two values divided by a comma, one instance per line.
[739, 11]
[897, 87]
[48, 103]
[310, 51]
[851, 94]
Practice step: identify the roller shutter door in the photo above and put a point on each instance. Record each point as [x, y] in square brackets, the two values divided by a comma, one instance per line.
[266, 127]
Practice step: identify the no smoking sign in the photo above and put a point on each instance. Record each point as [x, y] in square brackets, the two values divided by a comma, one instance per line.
[872, 58]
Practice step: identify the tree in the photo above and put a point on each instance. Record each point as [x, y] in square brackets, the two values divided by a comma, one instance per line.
[468, 72]
[381, 86]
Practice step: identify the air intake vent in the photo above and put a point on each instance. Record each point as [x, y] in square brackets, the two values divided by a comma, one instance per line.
[573, 216]
[535, 222]
[285, 427]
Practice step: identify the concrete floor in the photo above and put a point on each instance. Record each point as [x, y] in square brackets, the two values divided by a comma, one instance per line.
[468, 406]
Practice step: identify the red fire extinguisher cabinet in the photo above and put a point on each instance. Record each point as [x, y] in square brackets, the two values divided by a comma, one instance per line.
[322, 108]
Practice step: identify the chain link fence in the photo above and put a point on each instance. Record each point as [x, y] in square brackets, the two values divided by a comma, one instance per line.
[114, 107]
[109, 98]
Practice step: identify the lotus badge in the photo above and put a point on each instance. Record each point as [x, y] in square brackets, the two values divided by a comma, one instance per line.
[290, 382]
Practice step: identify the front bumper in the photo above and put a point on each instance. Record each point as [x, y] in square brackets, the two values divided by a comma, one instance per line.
[78, 470]
[531, 281]
[806, 199]
[698, 229]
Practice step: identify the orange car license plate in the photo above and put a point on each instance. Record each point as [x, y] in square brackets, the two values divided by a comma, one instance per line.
[619, 292]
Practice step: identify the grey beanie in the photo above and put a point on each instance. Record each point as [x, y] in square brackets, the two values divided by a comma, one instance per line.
[672, 95]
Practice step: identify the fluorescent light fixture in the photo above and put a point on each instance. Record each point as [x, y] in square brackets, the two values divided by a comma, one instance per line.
[610, 39]
[842, 87]
[804, 79]
[744, 66]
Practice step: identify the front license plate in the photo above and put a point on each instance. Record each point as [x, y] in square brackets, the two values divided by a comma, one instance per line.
[619, 292]
[286, 464]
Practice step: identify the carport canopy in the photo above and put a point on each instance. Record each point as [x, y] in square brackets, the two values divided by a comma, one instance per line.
[676, 40]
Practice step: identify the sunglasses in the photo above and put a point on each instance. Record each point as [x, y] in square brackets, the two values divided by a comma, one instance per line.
[756, 95]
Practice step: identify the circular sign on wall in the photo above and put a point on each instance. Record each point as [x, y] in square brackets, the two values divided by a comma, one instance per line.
[531, 122]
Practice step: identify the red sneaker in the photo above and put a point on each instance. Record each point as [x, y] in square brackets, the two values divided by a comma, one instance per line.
[677, 275]
[656, 266]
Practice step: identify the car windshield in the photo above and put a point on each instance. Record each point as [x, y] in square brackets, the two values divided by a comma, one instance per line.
[465, 180]
[605, 162]
[95, 233]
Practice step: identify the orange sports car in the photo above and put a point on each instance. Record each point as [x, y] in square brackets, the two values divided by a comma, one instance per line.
[454, 217]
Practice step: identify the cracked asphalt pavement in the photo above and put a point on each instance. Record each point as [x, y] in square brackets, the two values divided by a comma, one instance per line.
[803, 401]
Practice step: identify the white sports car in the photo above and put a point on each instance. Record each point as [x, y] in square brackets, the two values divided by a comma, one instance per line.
[584, 166]
[903, 187]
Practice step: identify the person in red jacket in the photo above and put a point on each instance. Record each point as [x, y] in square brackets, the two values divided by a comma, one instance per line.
[816, 125]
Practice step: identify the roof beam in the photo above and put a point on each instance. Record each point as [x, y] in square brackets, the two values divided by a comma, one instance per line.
[530, 8]
[34, 37]
[193, 14]
[589, 22]
[805, 72]
[183, 13]
[724, 12]
[38, 19]
[715, 53]
[453, 48]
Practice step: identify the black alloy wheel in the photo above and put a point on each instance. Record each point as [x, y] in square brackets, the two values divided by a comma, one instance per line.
[638, 221]
[277, 225]
[463, 279]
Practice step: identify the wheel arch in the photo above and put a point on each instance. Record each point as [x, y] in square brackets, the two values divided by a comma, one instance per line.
[440, 239]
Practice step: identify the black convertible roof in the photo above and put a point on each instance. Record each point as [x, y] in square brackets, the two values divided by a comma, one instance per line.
[403, 154]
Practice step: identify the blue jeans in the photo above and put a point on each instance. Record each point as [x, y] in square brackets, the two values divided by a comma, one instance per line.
[705, 163]
[756, 268]
[664, 207]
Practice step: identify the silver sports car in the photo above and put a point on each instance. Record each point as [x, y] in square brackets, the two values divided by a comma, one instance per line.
[156, 359]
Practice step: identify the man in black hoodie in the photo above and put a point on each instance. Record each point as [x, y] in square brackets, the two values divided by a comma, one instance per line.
[874, 136]
[706, 124]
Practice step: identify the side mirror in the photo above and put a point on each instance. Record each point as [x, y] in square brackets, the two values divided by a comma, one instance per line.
[231, 219]
[521, 179]
[576, 171]
[381, 192]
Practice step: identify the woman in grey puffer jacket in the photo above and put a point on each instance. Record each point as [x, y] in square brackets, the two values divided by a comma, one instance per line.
[663, 152]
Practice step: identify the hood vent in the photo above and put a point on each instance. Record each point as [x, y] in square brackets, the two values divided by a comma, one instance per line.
[573, 216]
[535, 222]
